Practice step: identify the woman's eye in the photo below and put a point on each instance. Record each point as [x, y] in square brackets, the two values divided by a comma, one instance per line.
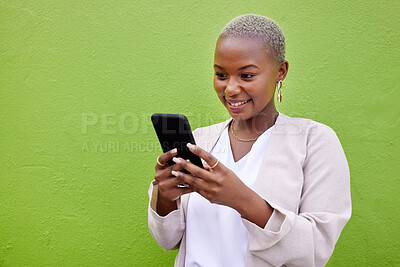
[247, 76]
[221, 75]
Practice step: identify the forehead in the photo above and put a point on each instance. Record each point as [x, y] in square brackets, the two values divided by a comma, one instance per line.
[232, 49]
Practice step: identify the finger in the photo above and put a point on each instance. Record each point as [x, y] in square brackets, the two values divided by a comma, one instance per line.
[164, 158]
[210, 159]
[175, 167]
[196, 184]
[180, 191]
[193, 169]
[206, 167]
[169, 183]
[174, 192]
[165, 173]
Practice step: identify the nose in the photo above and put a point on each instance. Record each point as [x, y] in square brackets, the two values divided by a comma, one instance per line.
[232, 87]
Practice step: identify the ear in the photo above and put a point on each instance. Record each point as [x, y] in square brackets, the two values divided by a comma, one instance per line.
[282, 71]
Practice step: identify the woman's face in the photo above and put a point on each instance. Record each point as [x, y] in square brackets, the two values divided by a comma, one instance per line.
[245, 76]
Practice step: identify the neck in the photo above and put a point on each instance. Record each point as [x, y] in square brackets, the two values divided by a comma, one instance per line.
[259, 123]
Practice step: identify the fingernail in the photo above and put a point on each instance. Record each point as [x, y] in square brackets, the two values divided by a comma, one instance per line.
[175, 173]
[173, 151]
[189, 145]
[176, 160]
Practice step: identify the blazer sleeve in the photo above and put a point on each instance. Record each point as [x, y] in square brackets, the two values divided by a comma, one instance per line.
[309, 237]
[166, 230]
[169, 230]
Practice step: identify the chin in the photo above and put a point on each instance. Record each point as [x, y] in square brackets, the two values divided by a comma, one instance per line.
[238, 116]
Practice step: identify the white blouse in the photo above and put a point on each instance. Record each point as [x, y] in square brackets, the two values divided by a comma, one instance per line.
[215, 234]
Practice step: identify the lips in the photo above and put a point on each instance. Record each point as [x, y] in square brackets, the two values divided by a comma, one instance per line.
[237, 103]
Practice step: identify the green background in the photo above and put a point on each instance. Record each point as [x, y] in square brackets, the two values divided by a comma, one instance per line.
[80, 79]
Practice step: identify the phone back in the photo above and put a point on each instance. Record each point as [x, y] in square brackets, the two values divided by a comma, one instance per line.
[173, 131]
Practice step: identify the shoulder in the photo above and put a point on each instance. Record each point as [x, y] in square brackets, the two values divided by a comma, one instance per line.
[317, 142]
[305, 128]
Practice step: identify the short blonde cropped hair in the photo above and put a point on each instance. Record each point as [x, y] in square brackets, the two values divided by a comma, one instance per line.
[260, 27]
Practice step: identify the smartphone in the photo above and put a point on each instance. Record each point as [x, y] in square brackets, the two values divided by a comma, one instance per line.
[173, 131]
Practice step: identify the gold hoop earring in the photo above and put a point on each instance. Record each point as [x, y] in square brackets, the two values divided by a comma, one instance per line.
[279, 97]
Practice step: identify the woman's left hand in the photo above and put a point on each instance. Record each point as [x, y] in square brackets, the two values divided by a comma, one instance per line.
[219, 184]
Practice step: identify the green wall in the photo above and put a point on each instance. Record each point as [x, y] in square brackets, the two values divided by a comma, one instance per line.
[79, 80]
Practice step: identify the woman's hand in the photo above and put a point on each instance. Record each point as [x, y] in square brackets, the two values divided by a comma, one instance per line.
[168, 185]
[220, 185]
[217, 184]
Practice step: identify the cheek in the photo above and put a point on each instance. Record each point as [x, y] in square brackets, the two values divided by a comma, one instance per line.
[261, 91]
[219, 87]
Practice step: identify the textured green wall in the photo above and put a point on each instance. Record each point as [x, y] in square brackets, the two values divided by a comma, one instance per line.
[79, 80]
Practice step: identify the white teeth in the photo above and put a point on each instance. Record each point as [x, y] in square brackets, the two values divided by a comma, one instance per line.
[238, 103]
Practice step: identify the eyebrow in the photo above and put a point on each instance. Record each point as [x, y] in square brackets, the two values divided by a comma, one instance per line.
[244, 67]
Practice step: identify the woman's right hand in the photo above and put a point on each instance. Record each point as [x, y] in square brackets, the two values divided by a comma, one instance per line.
[168, 185]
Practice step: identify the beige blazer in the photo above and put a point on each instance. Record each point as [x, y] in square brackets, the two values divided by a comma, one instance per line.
[304, 176]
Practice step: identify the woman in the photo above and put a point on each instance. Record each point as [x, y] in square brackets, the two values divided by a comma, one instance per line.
[275, 190]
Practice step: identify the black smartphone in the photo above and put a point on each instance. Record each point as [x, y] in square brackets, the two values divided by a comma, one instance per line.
[173, 131]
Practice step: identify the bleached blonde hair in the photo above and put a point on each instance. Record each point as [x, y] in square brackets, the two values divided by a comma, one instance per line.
[260, 27]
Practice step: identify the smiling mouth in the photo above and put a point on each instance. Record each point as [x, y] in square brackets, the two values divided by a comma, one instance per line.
[237, 104]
